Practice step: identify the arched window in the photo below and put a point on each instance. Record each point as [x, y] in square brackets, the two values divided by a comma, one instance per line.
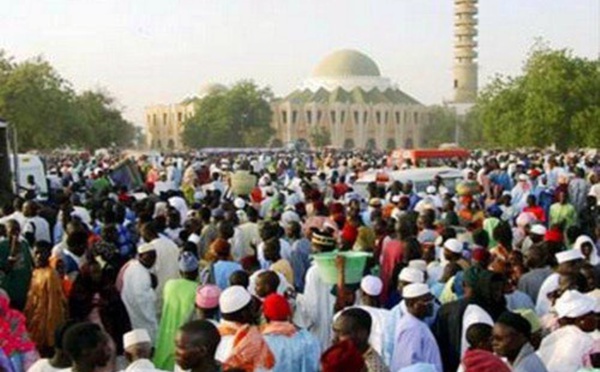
[332, 114]
[309, 117]
[371, 144]
[349, 144]
[391, 144]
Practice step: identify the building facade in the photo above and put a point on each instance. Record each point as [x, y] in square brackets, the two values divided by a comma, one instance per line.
[164, 123]
[347, 96]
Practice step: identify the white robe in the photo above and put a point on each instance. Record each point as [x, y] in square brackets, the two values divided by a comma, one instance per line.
[225, 347]
[381, 338]
[139, 298]
[315, 307]
[166, 266]
[473, 314]
[564, 349]
[543, 304]
[141, 365]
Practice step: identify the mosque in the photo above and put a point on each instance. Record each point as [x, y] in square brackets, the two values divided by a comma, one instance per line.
[348, 97]
[345, 97]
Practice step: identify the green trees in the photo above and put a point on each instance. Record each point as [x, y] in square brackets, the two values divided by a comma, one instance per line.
[441, 127]
[555, 101]
[48, 113]
[238, 117]
[446, 126]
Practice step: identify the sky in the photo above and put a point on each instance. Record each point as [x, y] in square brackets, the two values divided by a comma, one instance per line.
[147, 52]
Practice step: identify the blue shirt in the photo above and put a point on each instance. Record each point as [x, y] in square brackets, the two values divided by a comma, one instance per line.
[222, 272]
[300, 261]
[300, 352]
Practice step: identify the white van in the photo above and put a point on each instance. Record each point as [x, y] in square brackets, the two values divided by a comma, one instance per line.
[29, 165]
[420, 177]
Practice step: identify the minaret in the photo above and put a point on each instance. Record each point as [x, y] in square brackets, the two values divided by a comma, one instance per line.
[465, 51]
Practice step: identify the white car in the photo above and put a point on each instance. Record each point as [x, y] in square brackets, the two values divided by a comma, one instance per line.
[420, 177]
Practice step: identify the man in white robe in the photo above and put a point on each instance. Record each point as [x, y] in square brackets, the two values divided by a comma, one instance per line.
[138, 293]
[315, 307]
[167, 256]
[569, 262]
[566, 348]
[414, 341]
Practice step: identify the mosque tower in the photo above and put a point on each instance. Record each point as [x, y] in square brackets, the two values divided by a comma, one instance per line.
[465, 51]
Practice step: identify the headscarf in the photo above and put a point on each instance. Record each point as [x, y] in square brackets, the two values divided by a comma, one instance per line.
[483, 361]
[489, 224]
[594, 259]
[13, 333]
[219, 248]
[343, 356]
[349, 234]
[480, 281]
[365, 240]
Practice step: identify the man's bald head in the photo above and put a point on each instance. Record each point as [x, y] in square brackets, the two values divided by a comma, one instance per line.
[202, 333]
[196, 342]
[267, 282]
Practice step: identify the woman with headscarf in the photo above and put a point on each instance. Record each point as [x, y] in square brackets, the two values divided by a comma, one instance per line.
[46, 307]
[586, 246]
[14, 339]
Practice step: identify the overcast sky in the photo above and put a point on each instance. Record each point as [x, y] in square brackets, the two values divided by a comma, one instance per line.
[161, 51]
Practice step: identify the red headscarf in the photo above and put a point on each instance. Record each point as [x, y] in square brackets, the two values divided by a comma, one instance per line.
[483, 361]
[343, 356]
[554, 235]
[349, 233]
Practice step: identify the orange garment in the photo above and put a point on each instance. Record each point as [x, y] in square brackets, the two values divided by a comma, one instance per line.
[500, 252]
[250, 350]
[66, 285]
[279, 328]
[387, 210]
[46, 307]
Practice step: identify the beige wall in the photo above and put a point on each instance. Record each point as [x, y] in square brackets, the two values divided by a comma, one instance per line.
[164, 125]
[358, 123]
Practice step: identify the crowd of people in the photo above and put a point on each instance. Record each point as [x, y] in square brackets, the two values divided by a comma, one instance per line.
[185, 272]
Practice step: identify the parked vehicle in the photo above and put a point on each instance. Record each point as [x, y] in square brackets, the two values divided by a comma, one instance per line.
[420, 177]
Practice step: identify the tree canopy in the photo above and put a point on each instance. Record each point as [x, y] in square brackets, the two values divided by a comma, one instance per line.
[441, 127]
[47, 112]
[238, 117]
[556, 100]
